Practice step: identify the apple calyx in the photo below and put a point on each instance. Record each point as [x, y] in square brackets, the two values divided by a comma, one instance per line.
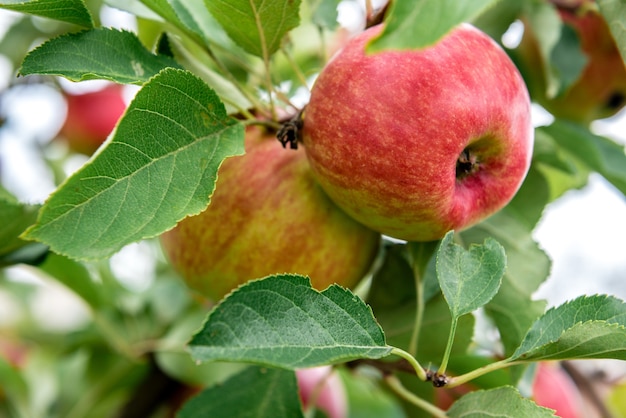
[467, 164]
[291, 131]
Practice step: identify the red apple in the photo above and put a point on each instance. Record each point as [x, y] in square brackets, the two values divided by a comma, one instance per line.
[600, 90]
[554, 389]
[268, 216]
[91, 117]
[416, 143]
[324, 389]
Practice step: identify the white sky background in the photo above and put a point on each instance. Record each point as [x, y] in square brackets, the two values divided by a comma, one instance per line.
[583, 232]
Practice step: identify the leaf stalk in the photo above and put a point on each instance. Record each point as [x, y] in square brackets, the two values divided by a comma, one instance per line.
[419, 370]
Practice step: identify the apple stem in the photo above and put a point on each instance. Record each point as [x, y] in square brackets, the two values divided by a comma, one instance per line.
[230, 77]
[396, 385]
[295, 67]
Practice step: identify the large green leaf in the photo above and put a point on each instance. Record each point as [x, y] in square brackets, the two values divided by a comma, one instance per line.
[504, 402]
[469, 278]
[258, 26]
[254, 393]
[587, 327]
[71, 11]
[282, 321]
[102, 53]
[160, 167]
[614, 12]
[414, 24]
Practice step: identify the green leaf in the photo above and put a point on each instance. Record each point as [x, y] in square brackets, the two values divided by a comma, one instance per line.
[256, 392]
[160, 166]
[103, 53]
[392, 297]
[19, 37]
[393, 284]
[188, 16]
[586, 327]
[567, 59]
[504, 402]
[469, 278]
[561, 170]
[71, 11]
[496, 20]
[258, 26]
[325, 14]
[513, 308]
[281, 321]
[195, 16]
[600, 154]
[531, 199]
[544, 23]
[614, 12]
[421, 23]
[547, 152]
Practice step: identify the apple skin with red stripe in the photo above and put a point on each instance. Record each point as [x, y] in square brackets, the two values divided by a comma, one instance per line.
[416, 143]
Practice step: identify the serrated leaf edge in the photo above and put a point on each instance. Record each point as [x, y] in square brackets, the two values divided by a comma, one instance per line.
[520, 356]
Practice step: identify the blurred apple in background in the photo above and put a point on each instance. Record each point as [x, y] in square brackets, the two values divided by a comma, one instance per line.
[554, 389]
[600, 89]
[324, 388]
[91, 117]
[268, 216]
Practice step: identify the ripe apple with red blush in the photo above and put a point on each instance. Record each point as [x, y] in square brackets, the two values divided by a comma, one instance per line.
[416, 143]
[268, 216]
[554, 389]
[600, 89]
[91, 117]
